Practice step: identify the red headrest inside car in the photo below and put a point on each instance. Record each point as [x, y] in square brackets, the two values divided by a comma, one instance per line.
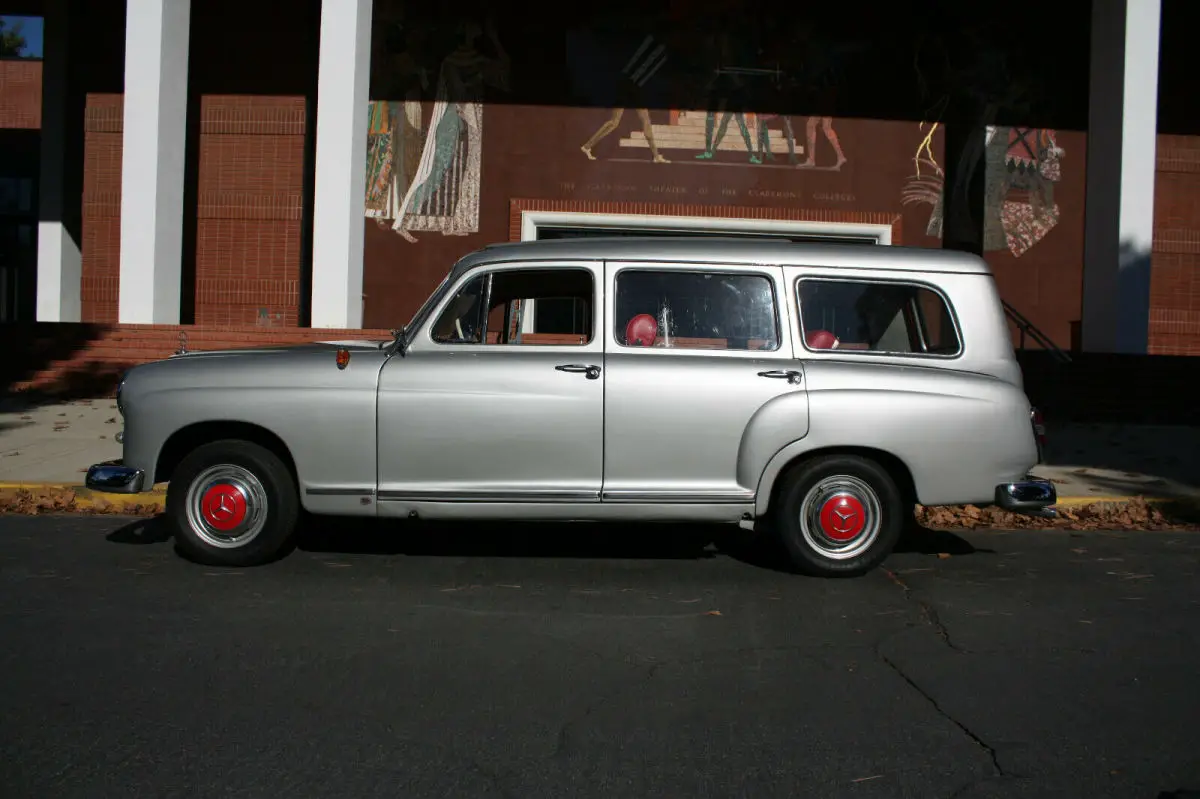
[641, 331]
[821, 340]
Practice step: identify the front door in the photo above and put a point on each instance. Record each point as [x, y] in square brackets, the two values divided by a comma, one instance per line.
[500, 397]
[701, 383]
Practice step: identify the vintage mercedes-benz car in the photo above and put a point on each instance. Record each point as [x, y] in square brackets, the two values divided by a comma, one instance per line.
[823, 388]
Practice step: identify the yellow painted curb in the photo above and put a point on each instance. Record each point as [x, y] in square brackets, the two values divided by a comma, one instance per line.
[1076, 502]
[85, 498]
[31, 486]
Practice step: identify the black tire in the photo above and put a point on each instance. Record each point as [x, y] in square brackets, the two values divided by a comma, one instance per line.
[872, 515]
[238, 478]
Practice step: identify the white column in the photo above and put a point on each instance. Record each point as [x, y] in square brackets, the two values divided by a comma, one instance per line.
[152, 160]
[60, 258]
[338, 221]
[1122, 134]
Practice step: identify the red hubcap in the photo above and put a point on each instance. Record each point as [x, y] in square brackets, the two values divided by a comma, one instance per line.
[843, 517]
[224, 507]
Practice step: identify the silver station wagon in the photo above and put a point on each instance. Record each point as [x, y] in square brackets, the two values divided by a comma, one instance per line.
[821, 390]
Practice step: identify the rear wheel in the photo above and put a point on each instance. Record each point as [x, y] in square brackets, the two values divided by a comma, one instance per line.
[233, 503]
[839, 515]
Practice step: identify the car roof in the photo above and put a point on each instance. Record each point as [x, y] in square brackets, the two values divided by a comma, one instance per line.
[732, 250]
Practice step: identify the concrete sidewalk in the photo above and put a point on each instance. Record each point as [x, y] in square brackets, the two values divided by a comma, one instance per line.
[51, 446]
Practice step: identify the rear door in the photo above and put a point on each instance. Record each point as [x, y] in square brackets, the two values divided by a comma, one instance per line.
[698, 358]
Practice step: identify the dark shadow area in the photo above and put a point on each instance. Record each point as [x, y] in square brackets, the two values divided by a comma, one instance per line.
[88, 380]
[507, 540]
[1165, 453]
[921, 540]
[1112, 388]
[141, 532]
[32, 348]
[516, 540]
[550, 540]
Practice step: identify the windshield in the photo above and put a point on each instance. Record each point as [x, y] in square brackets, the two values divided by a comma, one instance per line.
[425, 306]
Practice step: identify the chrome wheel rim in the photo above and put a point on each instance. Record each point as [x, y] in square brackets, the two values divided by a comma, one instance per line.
[226, 506]
[841, 517]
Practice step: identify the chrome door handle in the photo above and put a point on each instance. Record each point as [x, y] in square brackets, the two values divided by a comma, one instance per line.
[591, 371]
[790, 375]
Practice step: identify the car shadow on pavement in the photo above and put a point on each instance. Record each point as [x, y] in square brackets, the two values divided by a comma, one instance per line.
[918, 539]
[512, 539]
[660, 541]
[149, 530]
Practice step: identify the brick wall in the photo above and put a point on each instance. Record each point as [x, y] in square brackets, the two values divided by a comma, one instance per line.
[248, 206]
[21, 94]
[101, 249]
[1175, 274]
[249, 210]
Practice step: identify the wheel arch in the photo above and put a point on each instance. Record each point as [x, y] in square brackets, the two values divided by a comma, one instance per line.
[187, 439]
[775, 476]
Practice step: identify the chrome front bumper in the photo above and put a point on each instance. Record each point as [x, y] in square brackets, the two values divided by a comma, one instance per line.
[1031, 497]
[114, 478]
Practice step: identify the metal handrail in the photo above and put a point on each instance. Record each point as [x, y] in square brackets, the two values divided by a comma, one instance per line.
[1029, 328]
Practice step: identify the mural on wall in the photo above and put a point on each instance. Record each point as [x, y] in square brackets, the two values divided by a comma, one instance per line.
[645, 63]
[424, 176]
[1022, 164]
[701, 133]
[704, 133]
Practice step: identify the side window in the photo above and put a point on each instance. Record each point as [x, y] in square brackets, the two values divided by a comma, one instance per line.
[696, 310]
[461, 321]
[885, 317]
[528, 307]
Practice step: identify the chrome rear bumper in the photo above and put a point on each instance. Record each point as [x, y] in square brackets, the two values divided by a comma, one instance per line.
[114, 478]
[1031, 497]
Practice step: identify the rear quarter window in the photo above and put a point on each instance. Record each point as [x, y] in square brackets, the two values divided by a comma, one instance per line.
[876, 316]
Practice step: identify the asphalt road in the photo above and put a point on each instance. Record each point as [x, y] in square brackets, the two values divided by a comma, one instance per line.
[520, 662]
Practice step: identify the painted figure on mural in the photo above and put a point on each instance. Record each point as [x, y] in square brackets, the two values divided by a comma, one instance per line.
[724, 88]
[821, 74]
[444, 194]
[394, 134]
[644, 64]
[826, 125]
[1022, 166]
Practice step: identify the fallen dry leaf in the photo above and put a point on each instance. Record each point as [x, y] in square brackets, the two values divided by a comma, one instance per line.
[943, 555]
[1133, 514]
[713, 613]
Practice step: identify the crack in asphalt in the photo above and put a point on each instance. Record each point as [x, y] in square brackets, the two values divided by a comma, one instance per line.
[982, 744]
[929, 615]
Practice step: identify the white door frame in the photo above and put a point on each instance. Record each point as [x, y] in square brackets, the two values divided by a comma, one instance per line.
[532, 220]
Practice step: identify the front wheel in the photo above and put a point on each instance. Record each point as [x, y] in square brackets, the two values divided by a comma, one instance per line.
[233, 503]
[839, 515]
